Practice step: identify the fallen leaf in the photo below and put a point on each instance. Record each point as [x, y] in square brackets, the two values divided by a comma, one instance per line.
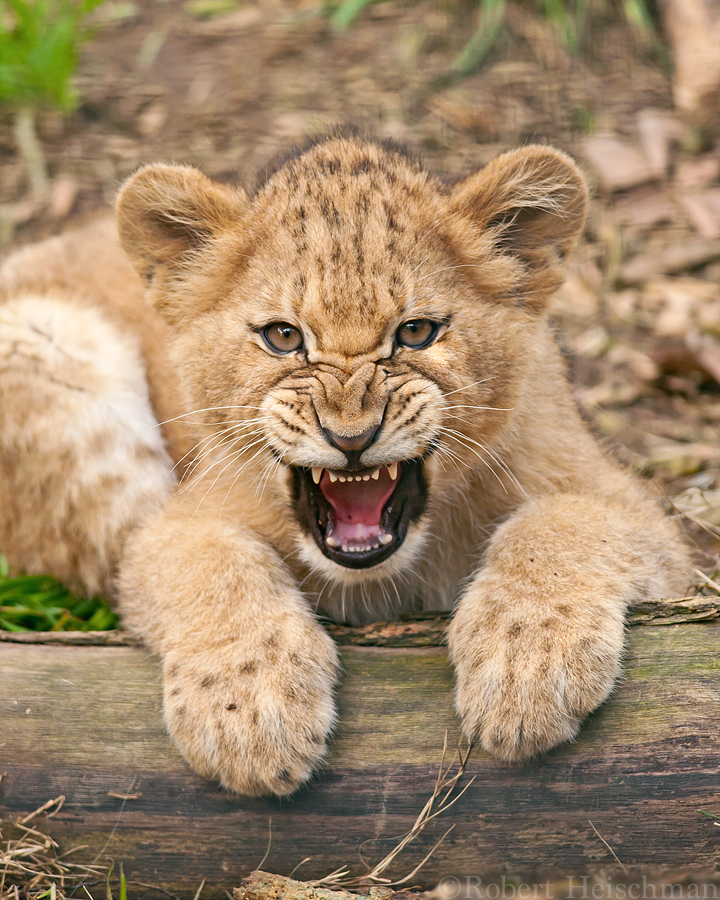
[63, 194]
[576, 298]
[591, 343]
[698, 172]
[618, 164]
[642, 365]
[706, 350]
[645, 211]
[657, 130]
[677, 257]
[693, 29]
[703, 210]
[152, 119]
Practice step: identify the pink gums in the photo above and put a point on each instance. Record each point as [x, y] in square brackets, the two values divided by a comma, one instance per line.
[357, 507]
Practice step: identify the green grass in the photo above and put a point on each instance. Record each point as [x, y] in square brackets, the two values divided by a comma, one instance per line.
[40, 42]
[42, 603]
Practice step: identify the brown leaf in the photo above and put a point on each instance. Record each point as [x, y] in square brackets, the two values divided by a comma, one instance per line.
[63, 194]
[657, 130]
[618, 164]
[693, 28]
[706, 350]
[677, 257]
[703, 210]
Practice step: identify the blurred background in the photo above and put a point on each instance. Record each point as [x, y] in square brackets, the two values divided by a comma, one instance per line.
[90, 89]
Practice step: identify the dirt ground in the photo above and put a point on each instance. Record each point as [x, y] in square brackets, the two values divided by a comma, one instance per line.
[164, 80]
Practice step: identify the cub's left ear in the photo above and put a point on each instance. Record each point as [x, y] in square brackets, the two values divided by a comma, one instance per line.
[531, 204]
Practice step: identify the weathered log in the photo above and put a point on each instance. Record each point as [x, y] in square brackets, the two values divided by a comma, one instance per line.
[417, 630]
[86, 722]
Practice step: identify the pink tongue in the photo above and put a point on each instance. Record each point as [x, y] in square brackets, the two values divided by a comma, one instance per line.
[358, 502]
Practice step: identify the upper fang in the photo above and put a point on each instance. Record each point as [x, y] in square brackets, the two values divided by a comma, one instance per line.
[393, 470]
[316, 475]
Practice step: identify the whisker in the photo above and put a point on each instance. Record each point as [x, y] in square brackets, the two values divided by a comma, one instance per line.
[236, 476]
[460, 439]
[225, 441]
[206, 409]
[500, 462]
[467, 386]
[471, 406]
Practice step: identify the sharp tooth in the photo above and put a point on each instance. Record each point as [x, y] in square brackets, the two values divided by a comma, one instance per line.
[365, 478]
[375, 475]
[345, 548]
[385, 538]
[333, 476]
[392, 470]
[332, 541]
[316, 475]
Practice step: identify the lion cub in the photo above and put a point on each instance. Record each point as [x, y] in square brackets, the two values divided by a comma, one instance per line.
[367, 415]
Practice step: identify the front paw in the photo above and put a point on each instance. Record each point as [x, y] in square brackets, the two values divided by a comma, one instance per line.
[256, 716]
[525, 683]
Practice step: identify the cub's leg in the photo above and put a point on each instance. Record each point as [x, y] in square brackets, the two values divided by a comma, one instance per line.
[538, 635]
[81, 456]
[248, 671]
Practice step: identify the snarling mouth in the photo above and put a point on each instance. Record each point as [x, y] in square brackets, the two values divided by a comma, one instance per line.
[360, 518]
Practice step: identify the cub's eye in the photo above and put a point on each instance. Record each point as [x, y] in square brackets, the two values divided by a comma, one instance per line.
[417, 333]
[282, 337]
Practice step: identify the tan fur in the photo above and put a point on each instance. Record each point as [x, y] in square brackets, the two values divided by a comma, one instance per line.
[530, 529]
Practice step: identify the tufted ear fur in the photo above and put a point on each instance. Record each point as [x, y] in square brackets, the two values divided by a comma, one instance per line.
[165, 214]
[531, 203]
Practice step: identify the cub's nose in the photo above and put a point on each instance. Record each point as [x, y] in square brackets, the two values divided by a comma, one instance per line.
[352, 446]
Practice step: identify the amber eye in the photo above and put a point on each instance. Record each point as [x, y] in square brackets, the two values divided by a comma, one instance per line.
[417, 333]
[282, 337]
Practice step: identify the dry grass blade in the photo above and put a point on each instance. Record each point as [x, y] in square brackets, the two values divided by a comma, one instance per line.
[30, 862]
[444, 789]
[708, 582]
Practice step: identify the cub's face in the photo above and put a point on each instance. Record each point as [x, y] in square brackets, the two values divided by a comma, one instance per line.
[355, 332]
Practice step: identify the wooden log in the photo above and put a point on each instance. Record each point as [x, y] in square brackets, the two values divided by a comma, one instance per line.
[86, 722]
[416, 630]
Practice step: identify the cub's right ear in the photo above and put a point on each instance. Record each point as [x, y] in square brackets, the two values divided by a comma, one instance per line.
[164, 213]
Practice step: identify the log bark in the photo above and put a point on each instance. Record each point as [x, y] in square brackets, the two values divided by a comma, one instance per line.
[418, 630]
[86, 722]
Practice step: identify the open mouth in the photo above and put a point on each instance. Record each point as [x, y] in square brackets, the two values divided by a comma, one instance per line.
[359, 518]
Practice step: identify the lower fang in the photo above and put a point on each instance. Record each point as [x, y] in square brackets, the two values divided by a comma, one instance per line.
[385, 538]
[332, 541]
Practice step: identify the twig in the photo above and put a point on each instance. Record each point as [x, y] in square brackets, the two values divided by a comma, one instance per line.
[59, 800]
[708, 581]
[617, 860]
[117, 821]
[269, 844]
[444, 784]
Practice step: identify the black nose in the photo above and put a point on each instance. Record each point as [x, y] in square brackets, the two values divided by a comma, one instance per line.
[353, 446]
